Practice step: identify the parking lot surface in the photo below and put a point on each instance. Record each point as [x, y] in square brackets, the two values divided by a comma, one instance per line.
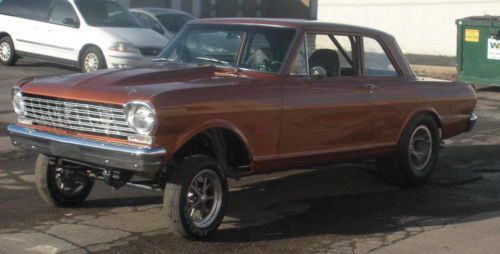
[344, 208]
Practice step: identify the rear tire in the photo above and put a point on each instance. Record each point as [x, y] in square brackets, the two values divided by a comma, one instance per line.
[92, 60]
[195, 197]
[60, 187]
[416, 154]
[7, 51]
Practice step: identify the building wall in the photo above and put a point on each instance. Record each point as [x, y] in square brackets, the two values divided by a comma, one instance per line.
[235, 8]
[424, 27]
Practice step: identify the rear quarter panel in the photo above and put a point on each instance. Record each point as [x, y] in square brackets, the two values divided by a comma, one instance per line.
[398, 102]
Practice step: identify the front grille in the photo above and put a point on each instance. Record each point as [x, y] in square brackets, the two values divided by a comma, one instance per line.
[104, 120]
[150, 51]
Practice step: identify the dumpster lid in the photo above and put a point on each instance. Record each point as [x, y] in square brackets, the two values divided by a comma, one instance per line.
[486, 20]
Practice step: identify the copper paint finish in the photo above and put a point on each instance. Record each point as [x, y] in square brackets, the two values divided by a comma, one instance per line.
[285, 121]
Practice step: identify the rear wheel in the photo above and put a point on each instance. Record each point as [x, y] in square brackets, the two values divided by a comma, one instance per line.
[7, 51]
[61, 187]
[195, 198]
[416, 155]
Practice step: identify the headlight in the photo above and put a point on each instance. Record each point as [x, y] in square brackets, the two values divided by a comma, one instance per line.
[140, 117]
[124, 47]
[17, 102]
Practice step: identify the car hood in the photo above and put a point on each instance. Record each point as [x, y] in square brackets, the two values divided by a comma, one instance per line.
[120, 86]
[140, 37]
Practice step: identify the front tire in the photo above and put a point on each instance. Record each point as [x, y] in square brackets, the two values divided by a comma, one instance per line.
[416, 155]
[7, 51]
[92, 60]
[60, 187]
[195, 197]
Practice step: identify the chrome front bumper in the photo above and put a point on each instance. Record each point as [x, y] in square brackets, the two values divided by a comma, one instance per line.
[88, 151]
[471, 122]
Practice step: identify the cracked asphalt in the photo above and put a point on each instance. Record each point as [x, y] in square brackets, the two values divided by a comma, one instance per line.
[344, 208]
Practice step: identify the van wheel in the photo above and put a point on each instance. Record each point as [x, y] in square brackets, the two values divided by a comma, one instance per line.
[7, 51]
[416, 154]
[195, 197]
[92, 60]
[61, 187]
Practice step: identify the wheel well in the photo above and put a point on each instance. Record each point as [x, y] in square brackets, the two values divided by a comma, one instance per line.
[85, 47]
[3, 34]
[223, 145]
[434, 116]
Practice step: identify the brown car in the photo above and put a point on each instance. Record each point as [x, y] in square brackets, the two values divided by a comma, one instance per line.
[232, 97]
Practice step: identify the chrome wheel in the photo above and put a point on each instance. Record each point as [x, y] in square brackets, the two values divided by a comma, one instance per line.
[204, 198]
[91, 62]
[420, 149]
[5, 51]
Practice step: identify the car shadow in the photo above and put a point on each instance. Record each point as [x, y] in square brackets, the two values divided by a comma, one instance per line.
[352, 200]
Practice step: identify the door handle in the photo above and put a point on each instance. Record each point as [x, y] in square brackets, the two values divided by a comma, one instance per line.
[370, 87]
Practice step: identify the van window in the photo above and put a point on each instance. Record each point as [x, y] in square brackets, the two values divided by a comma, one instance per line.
[28, 9]
[62, 10]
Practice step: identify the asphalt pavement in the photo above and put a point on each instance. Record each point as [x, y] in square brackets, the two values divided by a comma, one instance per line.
[344, 208]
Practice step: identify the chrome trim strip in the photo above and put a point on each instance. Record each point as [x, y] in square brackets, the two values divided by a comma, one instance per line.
[93, 152]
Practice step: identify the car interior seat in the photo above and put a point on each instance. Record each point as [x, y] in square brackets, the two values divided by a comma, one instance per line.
[328, 59]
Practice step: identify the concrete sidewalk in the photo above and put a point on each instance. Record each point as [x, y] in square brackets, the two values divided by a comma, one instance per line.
[475, 234]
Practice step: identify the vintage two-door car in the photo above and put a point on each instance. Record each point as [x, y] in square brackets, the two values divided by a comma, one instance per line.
[232, 97]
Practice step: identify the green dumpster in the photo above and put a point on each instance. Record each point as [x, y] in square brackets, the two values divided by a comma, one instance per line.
[478, 50]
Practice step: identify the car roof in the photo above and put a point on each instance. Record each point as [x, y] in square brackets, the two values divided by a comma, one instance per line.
[159, 11]
[295, 23]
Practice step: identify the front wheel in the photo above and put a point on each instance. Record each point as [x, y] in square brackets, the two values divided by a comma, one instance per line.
[195, 197]
[92, 60]
[59, 186]
[416, 155]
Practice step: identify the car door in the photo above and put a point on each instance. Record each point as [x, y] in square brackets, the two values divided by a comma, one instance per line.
[324, 115]
[393, 96]
[28, 20]
[62, 39]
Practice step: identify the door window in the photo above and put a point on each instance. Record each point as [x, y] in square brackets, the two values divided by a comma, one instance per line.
[63, 14]
[334, 53]
[377, 63]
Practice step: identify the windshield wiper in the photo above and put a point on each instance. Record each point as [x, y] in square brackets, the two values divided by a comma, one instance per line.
[224, 63]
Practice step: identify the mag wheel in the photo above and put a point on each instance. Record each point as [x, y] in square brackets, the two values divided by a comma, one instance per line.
[59, 186]
[417, 153]
[196, 197]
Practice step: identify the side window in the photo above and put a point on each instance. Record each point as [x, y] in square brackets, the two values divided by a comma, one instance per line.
[334, 53]
[299, 67]
[28, 9]
[377, 63]
[63, 14]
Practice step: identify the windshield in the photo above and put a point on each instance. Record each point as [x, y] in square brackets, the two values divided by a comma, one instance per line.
[174, 22]
[105, 14]
[265, 47]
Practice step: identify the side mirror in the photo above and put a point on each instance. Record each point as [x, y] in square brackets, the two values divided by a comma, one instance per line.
[70, 22]
[318, 73]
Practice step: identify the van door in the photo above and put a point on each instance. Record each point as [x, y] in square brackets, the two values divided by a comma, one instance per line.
[27, 20]
[63, 32]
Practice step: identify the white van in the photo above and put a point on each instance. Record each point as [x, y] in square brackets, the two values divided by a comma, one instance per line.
[88, 34]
